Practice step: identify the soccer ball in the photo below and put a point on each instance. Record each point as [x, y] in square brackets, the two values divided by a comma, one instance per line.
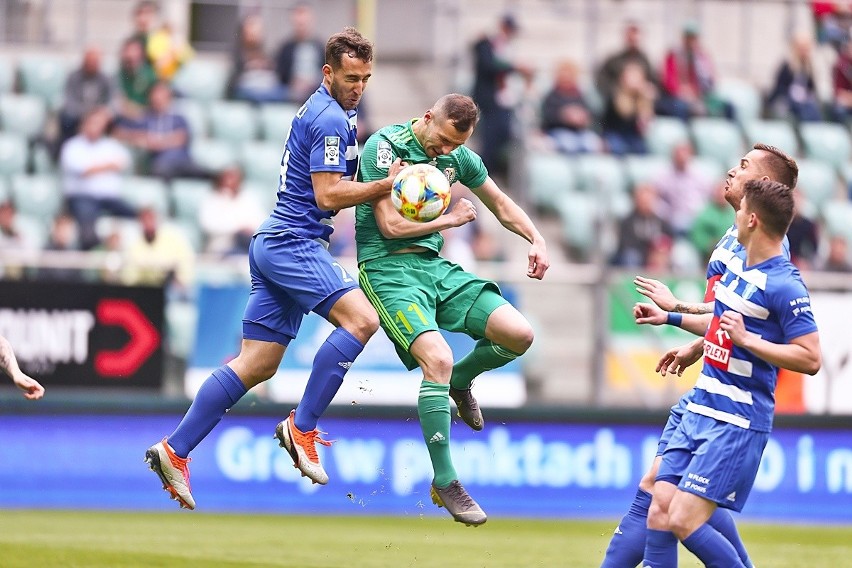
[420, 193]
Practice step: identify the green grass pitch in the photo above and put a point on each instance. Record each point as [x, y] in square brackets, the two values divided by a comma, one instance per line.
[115, 540]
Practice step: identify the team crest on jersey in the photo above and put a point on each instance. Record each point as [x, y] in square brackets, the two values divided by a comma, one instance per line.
[384, 154]
[450, 174]
[332, 151]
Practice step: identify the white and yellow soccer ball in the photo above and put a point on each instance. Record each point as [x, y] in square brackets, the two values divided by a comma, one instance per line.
[420, 193]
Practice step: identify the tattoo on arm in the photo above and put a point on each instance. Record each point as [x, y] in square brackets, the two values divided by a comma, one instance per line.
[696, 309]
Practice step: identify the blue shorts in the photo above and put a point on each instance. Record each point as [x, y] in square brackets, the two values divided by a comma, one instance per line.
[713, 459]
[675, 416]
[290, 276]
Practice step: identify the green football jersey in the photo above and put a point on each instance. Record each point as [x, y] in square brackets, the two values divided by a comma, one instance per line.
[380, 151]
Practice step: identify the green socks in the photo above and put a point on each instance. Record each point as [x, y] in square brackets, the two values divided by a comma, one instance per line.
[433, 408]
[485, 356]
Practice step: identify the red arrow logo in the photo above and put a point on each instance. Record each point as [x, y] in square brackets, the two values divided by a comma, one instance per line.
[144, 338]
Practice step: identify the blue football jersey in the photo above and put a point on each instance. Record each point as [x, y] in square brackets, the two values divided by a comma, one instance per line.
[322, 138]
[736, 386]
[727, 247]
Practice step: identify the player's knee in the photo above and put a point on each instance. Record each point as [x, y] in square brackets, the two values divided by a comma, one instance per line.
[437, 365]
[521, 339]
[366, 325]
[658, 516]
[680, 524]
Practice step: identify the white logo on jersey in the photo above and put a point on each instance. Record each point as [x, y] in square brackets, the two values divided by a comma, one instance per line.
[332, 151]
[384, 155]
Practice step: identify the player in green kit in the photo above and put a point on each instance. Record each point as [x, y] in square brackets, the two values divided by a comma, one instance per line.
[416, 292]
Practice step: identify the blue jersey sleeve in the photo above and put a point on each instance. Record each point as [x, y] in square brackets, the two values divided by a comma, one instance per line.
[792, 304]
[330, 134]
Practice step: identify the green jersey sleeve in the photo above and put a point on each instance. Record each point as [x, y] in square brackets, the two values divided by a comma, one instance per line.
[472, 172]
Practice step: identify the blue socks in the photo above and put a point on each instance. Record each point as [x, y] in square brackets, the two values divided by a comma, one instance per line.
[660, 550]
[627, 545]
[722, 521]
[332, 360]
[712, 548]
[219, 392]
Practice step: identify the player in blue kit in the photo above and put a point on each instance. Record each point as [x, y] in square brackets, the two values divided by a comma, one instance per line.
[292, 273]
[762, 321]
[627, 545]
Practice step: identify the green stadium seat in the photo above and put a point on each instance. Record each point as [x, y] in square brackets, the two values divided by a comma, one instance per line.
[181, 319]
[195, 114]
[744, 96]
[7, 76]
[37, 195]
[664, 133]
[578, 214]
[43, 76]
[717, 138]
[644, 169]
[34, 229]
[710, 168]
[826, 141]
[838, 219]
[142, 192]
[275, 119]
[232, 121]
[13, 154]
[261, 161]
[600, 173]
[818, 182]
[190, 230]
[778, 133]
[187, 195]
[202, 80]
[23, 114]
[266, 193]
[215, 155]
[550, 175]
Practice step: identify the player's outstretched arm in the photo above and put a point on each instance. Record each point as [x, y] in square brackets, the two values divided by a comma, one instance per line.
[9, 363]
[675, 361]
[661, 295]
[801, 355]
[516, 220]
[333, 193]
[392, 225]
[646, 313]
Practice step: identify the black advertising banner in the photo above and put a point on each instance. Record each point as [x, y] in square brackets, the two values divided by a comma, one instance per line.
[85, 334]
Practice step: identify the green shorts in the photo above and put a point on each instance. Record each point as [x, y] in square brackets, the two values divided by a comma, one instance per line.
[417, 292]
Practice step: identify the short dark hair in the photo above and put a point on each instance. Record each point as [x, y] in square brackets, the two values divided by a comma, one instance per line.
[773, 204]
[460, 110]
[351, 42]
[780, 166]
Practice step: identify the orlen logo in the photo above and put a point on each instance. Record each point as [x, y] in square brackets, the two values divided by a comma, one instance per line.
[144, 338]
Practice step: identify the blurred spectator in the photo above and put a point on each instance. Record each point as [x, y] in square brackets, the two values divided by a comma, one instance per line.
[610, 71]
[842, 80]
[628, 112]
[492, 67]
[63, 237]
[565, 116]
[164, 135]
[135, 79]
[253, 75]
[11, 235]
[92, 165]
[145, 16]
[301, 56]
[833, 20]
[229, 217]
[794, 94]
[837, 259]
[165, 51]
[161, 256]
[683, 189]
[642, 231]
[803, 234]
[688, 80]
[86, 88]
[713, 221]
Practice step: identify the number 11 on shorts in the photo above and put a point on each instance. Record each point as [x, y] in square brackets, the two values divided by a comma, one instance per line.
[400, 317]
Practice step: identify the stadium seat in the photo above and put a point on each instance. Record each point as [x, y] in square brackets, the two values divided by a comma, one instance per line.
[275, 121]
[600, 172]
[826, 141]
[187, 195]
[717, 138]
[190, 230]
[34, 230]
[266, 193]
[643, 169]
[23, 114]
[202, 80]
[778, 133]
[128, 230]
[710, 168]
[37, 195]
[744, 96]
[215, 155]
[5, 192]
[142, 191]
[195, 114]
[7, 75]
[13, 154]
[578, 214]
[818, 182]
[838, 219]
[685, 258]
[550, 174]
[181, 319]
[261, 161]
[664, 133]
[232, 121]
[43, 76]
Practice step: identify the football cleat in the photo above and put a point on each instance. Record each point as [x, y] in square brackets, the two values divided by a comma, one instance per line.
[458, 503]
[468, 408]
[173, 472]
[302, 448]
